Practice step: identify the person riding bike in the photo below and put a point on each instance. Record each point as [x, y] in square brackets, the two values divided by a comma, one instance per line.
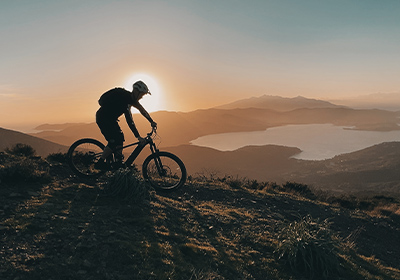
[113, 104]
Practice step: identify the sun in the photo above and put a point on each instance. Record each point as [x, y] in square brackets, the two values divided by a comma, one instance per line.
[151, 102]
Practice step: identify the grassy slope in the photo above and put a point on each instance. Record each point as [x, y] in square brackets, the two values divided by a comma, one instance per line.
[62, 228]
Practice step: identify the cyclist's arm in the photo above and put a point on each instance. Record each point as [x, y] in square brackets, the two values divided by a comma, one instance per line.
[144, 113]
[131, 123]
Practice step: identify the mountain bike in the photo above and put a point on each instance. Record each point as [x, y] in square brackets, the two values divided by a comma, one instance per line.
[163, 170]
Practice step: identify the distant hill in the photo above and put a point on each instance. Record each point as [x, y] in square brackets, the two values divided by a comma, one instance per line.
[374, 170]
[43, 147]
[383, 101]
[55, 127]
[278, 103]
[371, 170]
[255, 162]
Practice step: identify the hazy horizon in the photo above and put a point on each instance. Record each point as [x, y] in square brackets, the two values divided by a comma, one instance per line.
[388, 102]
[59, 56]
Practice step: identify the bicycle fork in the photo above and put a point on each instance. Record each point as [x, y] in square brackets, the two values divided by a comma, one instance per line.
[154, 150]
[157, 161]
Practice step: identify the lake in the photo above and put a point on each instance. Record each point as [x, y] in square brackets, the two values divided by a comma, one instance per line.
[317, 141]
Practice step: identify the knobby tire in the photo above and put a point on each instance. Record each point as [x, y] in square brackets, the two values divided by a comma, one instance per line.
[82, 155]
[170, 175]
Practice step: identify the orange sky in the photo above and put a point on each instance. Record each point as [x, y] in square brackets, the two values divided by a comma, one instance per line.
[57, 57]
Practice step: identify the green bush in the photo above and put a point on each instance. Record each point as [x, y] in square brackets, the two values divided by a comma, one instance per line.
[126, 184]
[20, 149]
[310, 248]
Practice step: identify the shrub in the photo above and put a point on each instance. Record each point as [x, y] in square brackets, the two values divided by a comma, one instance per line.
[236, 183]
[57, 157]
[300, 189]
[24, 171]
[126, 184]
[20, 149]
[310, 248]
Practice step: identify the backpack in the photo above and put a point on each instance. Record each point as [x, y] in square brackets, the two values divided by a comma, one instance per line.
[109, 98]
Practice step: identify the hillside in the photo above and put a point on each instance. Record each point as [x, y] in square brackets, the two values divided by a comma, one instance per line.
[59, 227]
[43, 147]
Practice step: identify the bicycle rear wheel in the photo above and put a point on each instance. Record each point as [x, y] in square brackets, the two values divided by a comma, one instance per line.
[164, 171]
[83, 154]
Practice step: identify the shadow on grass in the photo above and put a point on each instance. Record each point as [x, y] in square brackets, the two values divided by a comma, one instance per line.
[67, 230]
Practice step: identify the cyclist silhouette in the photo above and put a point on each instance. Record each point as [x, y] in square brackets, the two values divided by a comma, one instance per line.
[113, 104]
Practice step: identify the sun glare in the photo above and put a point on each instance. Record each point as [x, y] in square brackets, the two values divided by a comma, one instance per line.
[151, 102]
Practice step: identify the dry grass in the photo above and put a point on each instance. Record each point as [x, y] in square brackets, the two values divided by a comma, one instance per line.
[67, 229]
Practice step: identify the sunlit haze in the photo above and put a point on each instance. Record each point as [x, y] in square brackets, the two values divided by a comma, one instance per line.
[58, 57]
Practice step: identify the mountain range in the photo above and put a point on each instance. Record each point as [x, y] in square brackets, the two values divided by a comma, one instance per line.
[346, 173]
[279, 103]
[253, 114]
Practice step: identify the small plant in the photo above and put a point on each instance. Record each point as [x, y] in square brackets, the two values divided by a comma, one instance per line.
[57, 157]
[127, 184]
[235, 183]
[310, 248]
[300, 189]
[20, 149]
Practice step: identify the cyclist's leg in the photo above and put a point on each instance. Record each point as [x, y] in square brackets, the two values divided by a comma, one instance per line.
[115, 143]
[107, 129]
[113, 134]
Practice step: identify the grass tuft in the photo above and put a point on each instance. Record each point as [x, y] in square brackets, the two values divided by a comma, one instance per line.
[301, 189]
[127, 185]
[310, 248]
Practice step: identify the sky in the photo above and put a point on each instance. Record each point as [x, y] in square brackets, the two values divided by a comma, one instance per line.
[58, 56]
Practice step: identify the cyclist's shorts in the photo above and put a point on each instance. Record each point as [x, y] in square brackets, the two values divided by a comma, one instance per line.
[110, 129]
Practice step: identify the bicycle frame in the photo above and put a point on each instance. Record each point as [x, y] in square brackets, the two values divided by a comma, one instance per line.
[135, 153]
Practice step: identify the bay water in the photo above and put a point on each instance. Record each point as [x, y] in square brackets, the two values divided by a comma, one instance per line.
[317, 141]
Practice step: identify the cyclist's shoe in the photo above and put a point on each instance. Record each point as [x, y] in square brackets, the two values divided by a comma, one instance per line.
[101, 165]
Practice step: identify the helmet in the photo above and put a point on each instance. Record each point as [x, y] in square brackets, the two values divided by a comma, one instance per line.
[141, 87]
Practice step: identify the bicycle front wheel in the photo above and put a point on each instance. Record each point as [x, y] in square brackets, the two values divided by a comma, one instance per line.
[164, 171]
[83, 154]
